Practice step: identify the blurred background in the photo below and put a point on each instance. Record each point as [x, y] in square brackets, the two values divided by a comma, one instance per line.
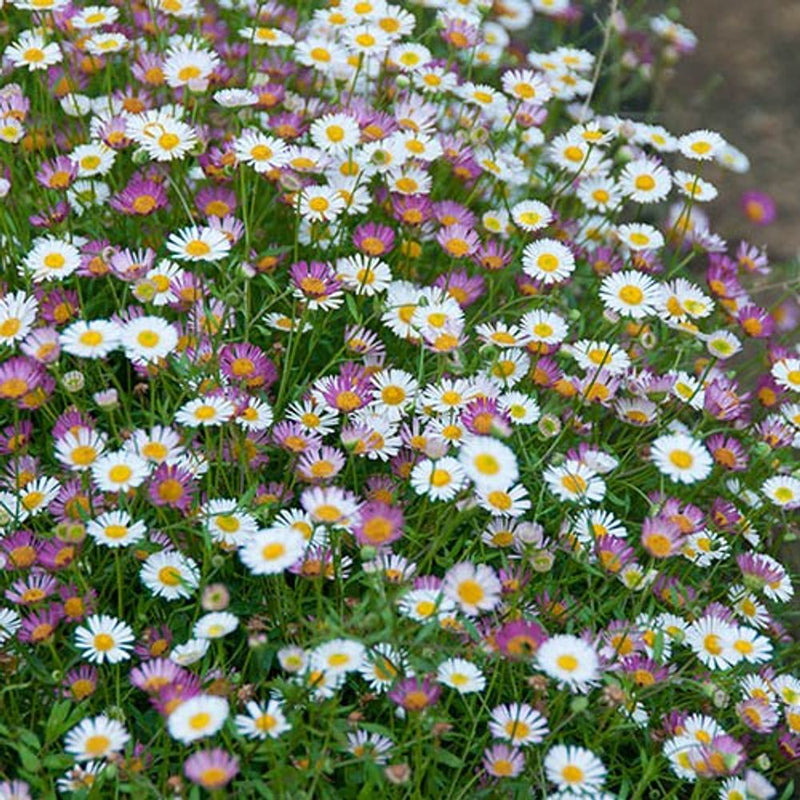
[743, 80]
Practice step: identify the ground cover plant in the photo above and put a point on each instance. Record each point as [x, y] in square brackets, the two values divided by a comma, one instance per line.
[381, 415]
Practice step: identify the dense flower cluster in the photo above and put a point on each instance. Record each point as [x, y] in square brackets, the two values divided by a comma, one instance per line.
[380, 412]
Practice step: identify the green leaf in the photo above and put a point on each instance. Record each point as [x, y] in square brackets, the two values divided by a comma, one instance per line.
[448, 758]
[30, 761]
[30, 738]
[55, 723]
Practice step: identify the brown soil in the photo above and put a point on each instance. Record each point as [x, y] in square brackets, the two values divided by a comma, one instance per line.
[744, 81]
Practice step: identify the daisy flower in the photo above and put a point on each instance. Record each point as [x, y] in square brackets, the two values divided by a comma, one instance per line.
[163, 137]
[51, 259]
[521, 408]
[722, 344]
[502, 761]
[526, 86]
[199, 244]
[681, 458]
[93, 159]
[575, 481]
[94, 339]
[363, 275]
[271, 552]
[263, 153]
[119, 472]
[575, 769]
[146, 339]
[198, 717]
[782, 491]
[640, 236]
[17, 315]
[712, 640]
[461, 675]
[531, 215]
[262, 721]
[215, 625]
[570, 661]
[752, 646]
[77, 450]
[510, 502]
[211, 769]
[335, 133]
[320, 203]
[518, 723]
[599, 193]
[31, 50]
[226, 524]
[339, 656]
[190, 68]
[116, 529]
[786, 372]
[473, 588]
[630, 294]
[490, 464]
[104, 638]
[189, 652]
[97, 737]
[205, 412]
[170, 574]
[594, 356]
[442, 479]
[548, 260]
[694, 186]
[700, 145]
[645, 181]
[370, 746]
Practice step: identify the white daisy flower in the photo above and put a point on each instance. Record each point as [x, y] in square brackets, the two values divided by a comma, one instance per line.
[271, 552]
[575, 769]
[104, 638]
[630, 294]
[170, 574]
[260, 151]
[782, 491]
[198, 717]
[474, 588]
[548, 260]
[519, 724]
[701, 145]
[119, 472]
[189, 652]
[215, 625]
[205, 412]
[199, 244]
[442, 479]
[645, 181]
[31, 50]
[787, 373]
[17, 315]
[146, 339]
[531, 215]
[575, 481]
[96, 737]
[461, 675]
[116, 529]
[51, 259]
[681, 458]
[262, 721]
[91, 339]
[338, 656]
[570, 661]
[490, 464]
[640, 236]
